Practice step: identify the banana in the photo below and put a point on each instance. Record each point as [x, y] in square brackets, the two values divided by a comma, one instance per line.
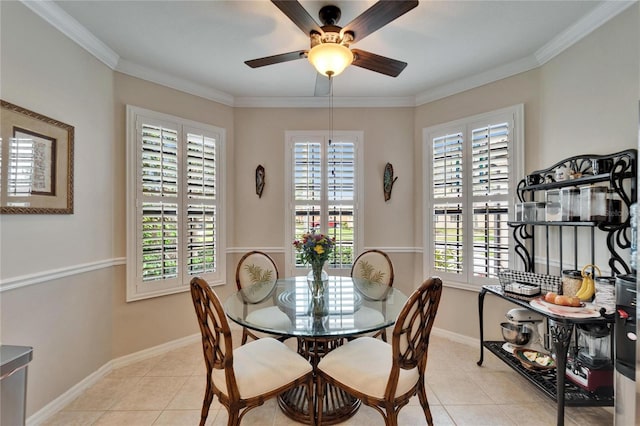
[584, 288]
[589, 291]
[588, 283]
[589, 296]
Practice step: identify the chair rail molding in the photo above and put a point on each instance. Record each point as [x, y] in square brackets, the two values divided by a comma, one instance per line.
[54, 274]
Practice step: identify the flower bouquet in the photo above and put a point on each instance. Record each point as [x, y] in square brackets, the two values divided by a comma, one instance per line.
[315, 249]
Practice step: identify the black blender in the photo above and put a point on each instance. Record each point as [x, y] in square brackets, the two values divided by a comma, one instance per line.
[590, 365]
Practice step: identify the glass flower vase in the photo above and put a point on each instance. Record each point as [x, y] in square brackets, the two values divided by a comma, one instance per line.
[318, 279]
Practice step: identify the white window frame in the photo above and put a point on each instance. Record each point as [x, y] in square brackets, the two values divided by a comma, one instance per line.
[515, 116]
[136, 288]
[322, 136]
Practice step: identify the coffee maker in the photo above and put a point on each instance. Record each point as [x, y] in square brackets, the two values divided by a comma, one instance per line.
[590, 361]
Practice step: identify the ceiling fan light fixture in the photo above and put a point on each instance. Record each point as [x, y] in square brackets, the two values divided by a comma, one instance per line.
[330, 59]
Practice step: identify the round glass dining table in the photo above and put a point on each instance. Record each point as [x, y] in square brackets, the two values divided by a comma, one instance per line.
[350, 307]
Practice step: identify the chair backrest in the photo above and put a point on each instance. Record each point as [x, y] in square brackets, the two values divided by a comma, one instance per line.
[374, 265]
[411, 332]
[217, 344]
[256, 276]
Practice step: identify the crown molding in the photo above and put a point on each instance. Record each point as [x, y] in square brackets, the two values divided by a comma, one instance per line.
[323, 102]
[167, 80]
[63, 22]
[583, 27]
[463, 84]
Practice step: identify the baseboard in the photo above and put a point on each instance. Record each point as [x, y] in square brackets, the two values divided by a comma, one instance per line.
[66, 398]
[63, 400]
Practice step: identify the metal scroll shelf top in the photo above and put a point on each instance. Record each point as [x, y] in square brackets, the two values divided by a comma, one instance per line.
[623, 166]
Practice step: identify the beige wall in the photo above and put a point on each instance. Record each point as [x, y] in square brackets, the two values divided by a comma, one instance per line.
[583, 101]
[589, 94]
[66, 320]
[44, 71]
[520, 89]
[574, 104]
[388, 137]
[151, 322]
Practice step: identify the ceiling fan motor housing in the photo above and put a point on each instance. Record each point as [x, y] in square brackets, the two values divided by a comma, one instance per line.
[331, 34]
[329, 14]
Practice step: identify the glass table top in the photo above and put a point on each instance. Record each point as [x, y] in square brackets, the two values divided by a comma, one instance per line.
[354, 306]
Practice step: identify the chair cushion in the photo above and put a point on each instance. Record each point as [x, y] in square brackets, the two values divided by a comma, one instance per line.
[364, 364]
[262, 366]
[271, 318]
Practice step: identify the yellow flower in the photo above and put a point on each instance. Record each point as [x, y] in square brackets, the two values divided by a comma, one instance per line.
[318, 249]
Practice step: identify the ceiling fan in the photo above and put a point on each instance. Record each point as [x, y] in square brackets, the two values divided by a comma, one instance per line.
[330, 51]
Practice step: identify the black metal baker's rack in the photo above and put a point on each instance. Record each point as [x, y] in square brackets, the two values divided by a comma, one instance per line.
[620, 178]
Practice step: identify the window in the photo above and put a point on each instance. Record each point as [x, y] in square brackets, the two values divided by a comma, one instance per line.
[174, 203]
[471, 171]
[323, 193]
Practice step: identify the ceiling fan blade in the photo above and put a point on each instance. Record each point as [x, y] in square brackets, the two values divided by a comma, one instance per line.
[299, 15]
[377, 16]
[323, 85]
[276, 59]
[377, 63]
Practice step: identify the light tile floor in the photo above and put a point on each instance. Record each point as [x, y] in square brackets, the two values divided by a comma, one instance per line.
[168, 390]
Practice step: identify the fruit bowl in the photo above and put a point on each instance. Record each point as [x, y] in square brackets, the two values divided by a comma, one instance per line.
[516, 334]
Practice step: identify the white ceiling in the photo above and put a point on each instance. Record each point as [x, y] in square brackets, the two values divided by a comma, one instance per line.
[200, 46]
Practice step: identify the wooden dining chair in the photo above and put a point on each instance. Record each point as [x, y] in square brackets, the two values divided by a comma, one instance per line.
[382, 375]
[256, 277]
[375, 266]
[245, 377]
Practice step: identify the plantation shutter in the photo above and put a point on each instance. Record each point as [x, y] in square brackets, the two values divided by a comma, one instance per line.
[307, 180]
[472, 184]
[174, 204]
[490, 162]
[159, 194]
[201, 209]
[308, 171]
[324, 182]
[341, 197]
[490, 180]
[448, 189]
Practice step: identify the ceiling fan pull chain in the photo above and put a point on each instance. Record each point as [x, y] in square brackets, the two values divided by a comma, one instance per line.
[330, 110]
